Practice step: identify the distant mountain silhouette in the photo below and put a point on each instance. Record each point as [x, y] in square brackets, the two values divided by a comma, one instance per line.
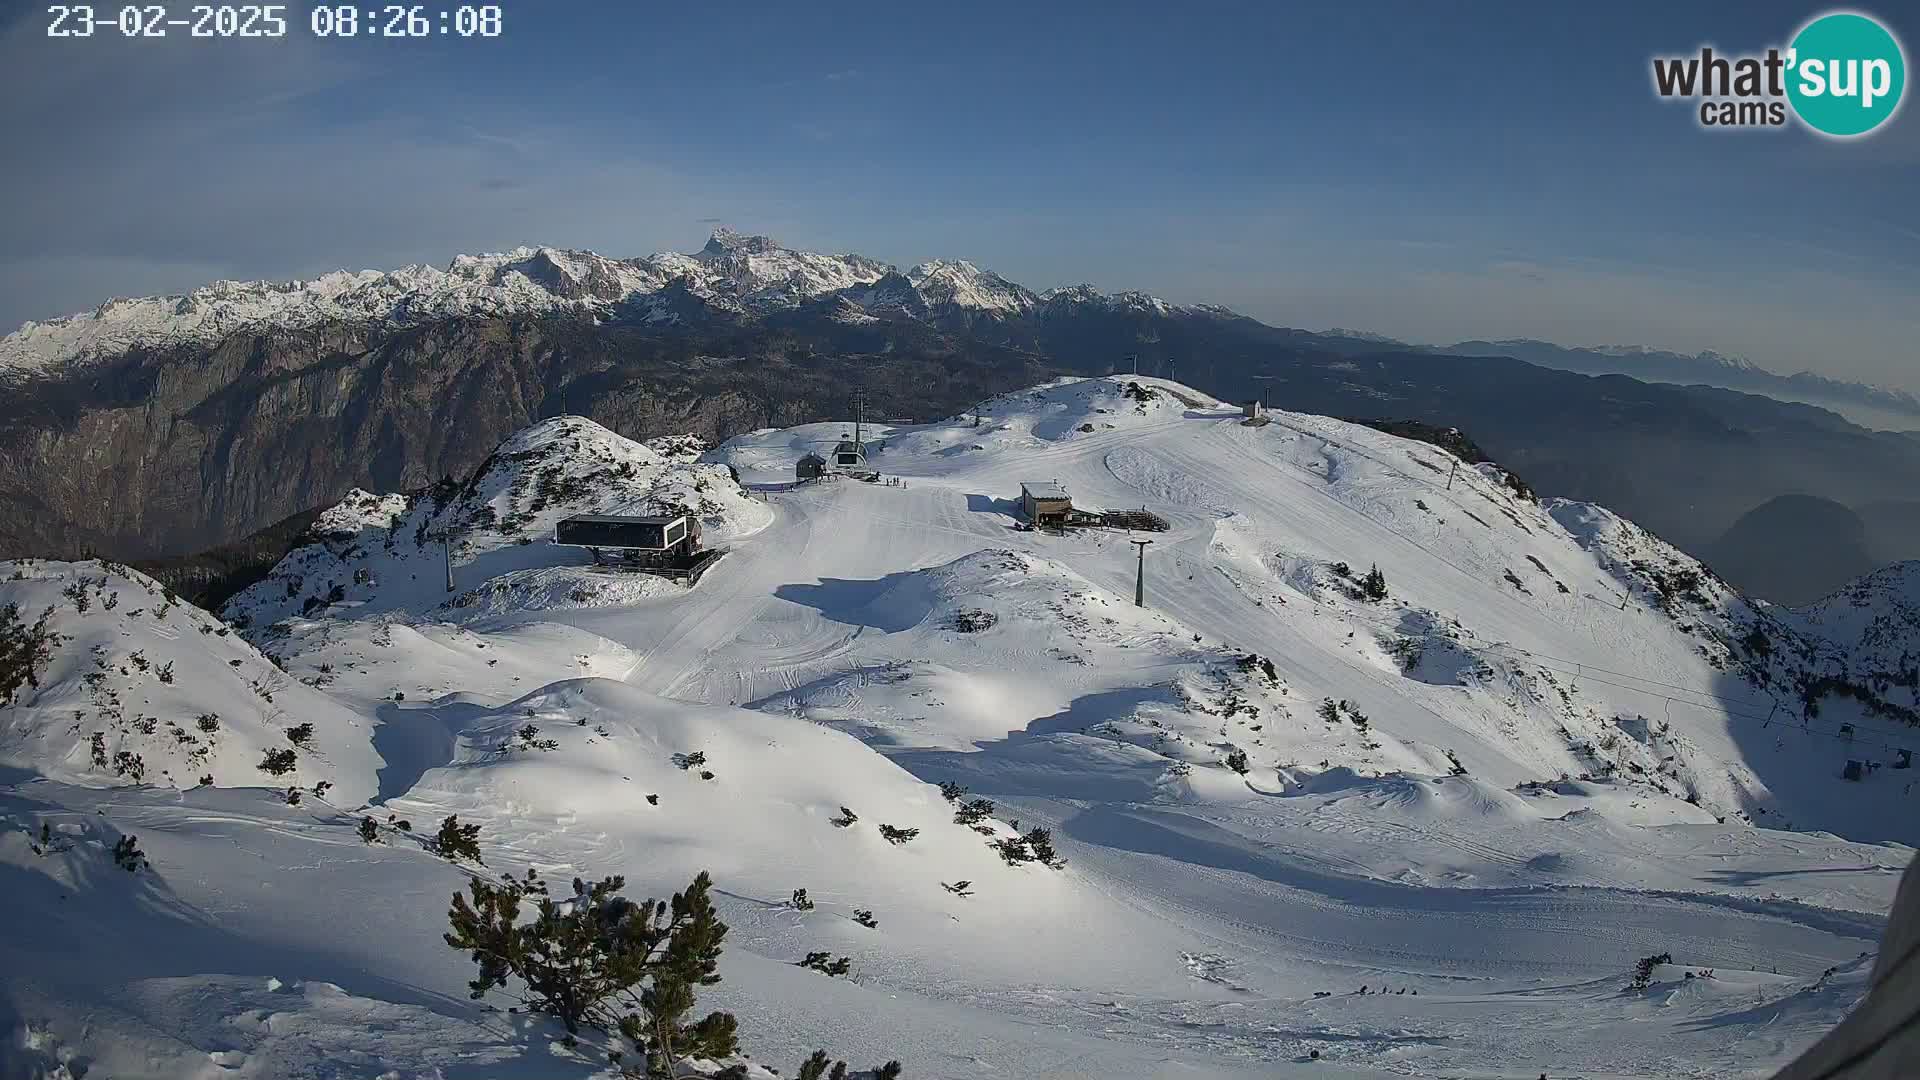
[1879, 407]
[1766, 551]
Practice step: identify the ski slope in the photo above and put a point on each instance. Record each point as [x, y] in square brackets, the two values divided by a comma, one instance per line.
[1555, 747]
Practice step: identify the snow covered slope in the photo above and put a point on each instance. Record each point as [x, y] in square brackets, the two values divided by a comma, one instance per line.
[1539, 747]
[142, 688]
[376, 554]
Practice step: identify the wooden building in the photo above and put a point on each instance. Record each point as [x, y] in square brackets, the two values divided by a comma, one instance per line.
[1045, 503]
[810, 467]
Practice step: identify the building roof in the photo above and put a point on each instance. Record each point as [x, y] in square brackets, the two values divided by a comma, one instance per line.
[1044, 489]
[616, 519]
[813, 457]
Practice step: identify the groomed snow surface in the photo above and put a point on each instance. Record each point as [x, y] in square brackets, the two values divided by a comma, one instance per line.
[1541, 757]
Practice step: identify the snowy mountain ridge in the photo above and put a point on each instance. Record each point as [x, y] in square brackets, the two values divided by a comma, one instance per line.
[1301, 819]
[732, 272]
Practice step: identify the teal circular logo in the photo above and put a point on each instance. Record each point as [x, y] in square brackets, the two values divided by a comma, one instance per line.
[1846, 74]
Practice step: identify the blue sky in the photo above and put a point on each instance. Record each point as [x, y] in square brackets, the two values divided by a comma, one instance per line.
[1436, 172]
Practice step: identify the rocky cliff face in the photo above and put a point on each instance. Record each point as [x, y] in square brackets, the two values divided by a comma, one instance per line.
[173, 451]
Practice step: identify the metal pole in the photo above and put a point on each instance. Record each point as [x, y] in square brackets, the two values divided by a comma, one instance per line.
[446, 550]
[1450, 472]
[1140, 574]
[1263, 380]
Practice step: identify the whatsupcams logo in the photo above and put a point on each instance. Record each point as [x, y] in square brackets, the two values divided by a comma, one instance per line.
[1842, 75]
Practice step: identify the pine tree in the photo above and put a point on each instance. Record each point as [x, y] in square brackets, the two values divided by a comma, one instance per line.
[24, 650]
[973, 812]
[127, 854]
[1040, 842]
[601, 960]
[826, 964]
[1237, 761]
[1374, 585]
[455, 841]
[846, 818]
[598, 959]
[369, 832]
[1644, 969]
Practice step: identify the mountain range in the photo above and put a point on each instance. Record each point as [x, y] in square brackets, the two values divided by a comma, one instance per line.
[167, 425]
[1863, 403]
[732, 276]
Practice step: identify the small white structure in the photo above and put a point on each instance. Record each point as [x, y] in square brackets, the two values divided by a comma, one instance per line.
[1253, 410]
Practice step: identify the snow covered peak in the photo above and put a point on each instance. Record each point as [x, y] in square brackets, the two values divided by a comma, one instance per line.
[521, 281]
[1072, 294]
[890, 292]
[963, 284]
[735, 274]
[760, 274]
[1706, 356]
[581, 436]
[1737, 363]
[377, 553]
[1875, 619]
[1073, 297]
[725, 241]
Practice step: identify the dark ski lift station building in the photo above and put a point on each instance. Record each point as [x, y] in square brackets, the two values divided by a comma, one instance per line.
[668, 534]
